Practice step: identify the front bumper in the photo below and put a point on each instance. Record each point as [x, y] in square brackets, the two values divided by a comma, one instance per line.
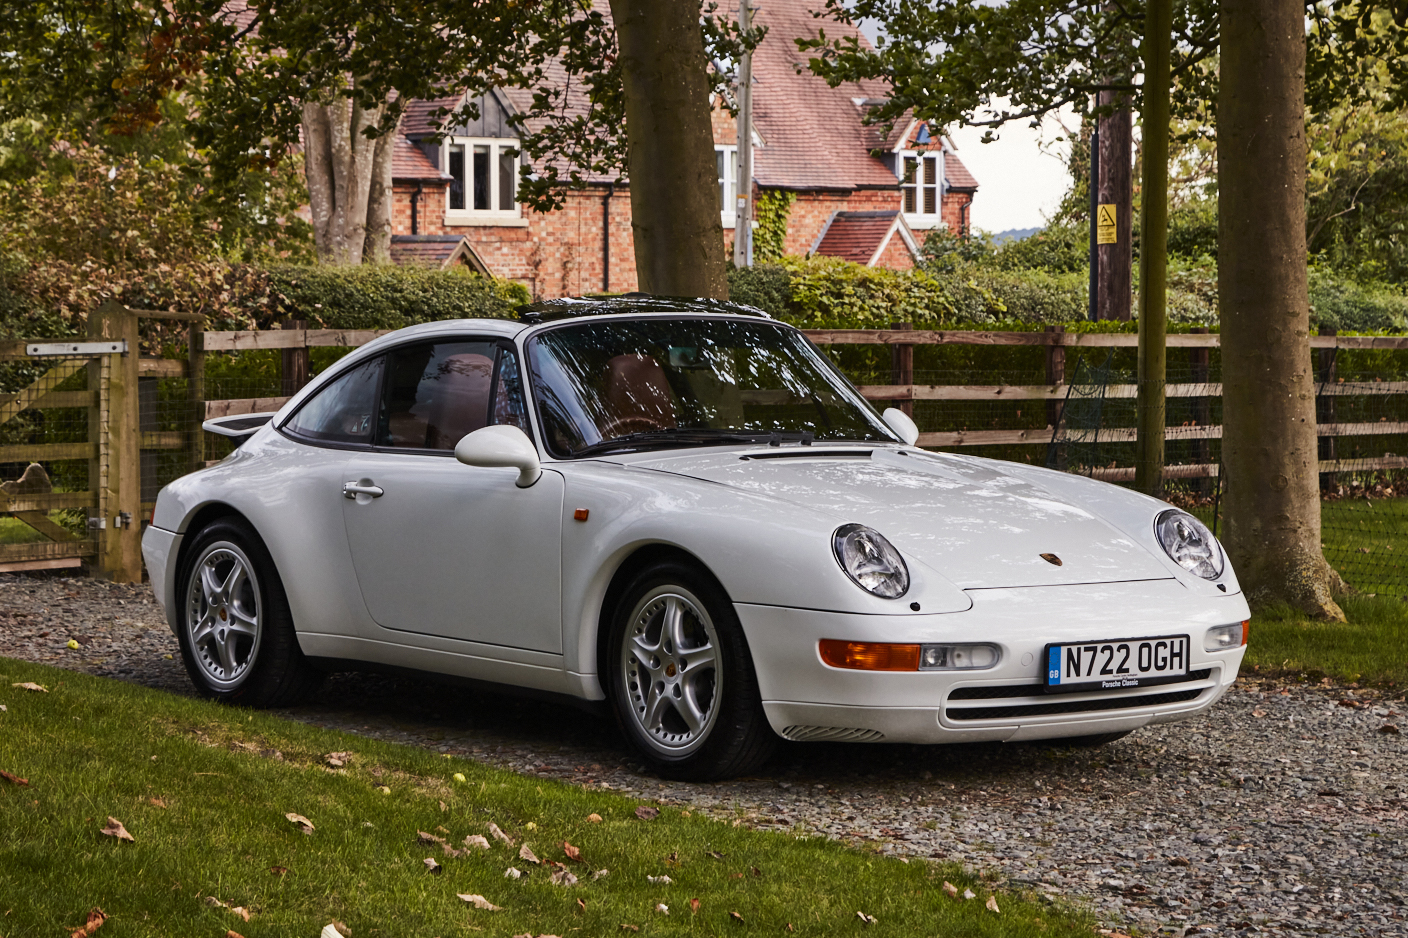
[805, 699]
[159, 550]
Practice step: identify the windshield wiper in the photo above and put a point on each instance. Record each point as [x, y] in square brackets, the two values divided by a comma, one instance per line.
[668, 437]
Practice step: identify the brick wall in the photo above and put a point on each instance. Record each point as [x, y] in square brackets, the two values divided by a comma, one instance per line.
[952, 210]
[896, 255]
[812, 209]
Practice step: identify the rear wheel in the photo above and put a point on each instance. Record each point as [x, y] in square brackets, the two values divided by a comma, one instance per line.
[681, 678]
[236, 631]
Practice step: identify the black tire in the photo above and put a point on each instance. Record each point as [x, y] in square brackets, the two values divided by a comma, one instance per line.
[239, 648]
[1090, 742]
[734, 737]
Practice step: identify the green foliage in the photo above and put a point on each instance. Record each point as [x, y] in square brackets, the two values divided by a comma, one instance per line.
[943, 252]
[831, 293]
[1192, 229]
[1059, 248]
[1343, 304]
[377, 297]
[766, 286]
[773, 207]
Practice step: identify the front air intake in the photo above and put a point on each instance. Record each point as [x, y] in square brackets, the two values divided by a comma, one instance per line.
[838, 734]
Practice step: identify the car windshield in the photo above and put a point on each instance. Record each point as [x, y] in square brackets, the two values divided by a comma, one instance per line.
[618, 385]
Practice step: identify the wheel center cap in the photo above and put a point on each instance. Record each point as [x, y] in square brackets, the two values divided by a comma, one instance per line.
[670, 669]
[224, 616]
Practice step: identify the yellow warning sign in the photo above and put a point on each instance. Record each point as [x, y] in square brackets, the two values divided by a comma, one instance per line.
[1105, 225]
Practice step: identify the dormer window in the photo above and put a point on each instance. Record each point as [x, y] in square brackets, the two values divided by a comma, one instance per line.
[483, 180]
[921, 185]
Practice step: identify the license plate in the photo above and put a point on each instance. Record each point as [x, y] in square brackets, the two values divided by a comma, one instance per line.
[1116, 664]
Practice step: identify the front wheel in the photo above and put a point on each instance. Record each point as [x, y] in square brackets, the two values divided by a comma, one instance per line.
[681, 678]
[236, 631]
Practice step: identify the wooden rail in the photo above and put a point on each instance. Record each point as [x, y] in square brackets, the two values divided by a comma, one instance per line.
[1067, 339]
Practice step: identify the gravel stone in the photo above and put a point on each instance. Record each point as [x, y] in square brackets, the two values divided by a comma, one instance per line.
[1281, 812]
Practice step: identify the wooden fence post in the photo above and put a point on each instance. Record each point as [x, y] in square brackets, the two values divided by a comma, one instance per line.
[902, 365]
[1199, 370]
[1055, 374]
[1325, 406]
[195, 393]
[119, 482]
[295, 362]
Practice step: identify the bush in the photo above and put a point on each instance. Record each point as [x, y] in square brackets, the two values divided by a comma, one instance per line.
[1355, 307]
[766, 286]
[377, 297]
[1057, 248]
[1192, 229]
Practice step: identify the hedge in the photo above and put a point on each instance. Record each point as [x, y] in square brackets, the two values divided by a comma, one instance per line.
[377, 297]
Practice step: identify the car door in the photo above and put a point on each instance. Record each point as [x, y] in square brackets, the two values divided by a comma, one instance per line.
[444, 549]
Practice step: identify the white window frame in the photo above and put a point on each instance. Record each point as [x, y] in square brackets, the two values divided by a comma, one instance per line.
[470, 215]
[920, 218]
[728, 183]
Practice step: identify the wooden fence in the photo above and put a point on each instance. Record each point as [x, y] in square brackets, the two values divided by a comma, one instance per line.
[121, 436]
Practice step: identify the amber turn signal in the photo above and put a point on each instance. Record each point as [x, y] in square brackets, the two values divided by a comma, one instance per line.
[869, 656]
[1246, 630]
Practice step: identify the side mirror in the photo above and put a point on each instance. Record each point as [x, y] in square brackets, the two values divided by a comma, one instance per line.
[500, 447]
[902, 424]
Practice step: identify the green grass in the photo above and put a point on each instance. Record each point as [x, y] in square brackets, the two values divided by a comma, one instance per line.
[91, 748]
[1371, 648]
[1366, 540]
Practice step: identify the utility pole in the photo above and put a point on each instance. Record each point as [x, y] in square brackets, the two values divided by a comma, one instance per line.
[1115, 207]
[743, 210]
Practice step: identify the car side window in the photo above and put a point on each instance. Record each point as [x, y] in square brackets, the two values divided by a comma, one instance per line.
[437, 392]
[342, 412]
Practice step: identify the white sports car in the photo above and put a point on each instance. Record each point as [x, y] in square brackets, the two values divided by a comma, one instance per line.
[683, 509]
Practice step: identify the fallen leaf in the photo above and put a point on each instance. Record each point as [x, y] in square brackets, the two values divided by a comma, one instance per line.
[156, 802]
[14, 779]
[432, 866]
[241, 911]
[867, 919]
[423, 838]
[278, 870]
[40, 688]
[563, 878]
[303, 823]
[716, 855]
[600, 874]
[479, 902]
[581, 903]
[525, 854]
[115, 829]
[233, 934]
[572, 852]
[530, 826]
[662, 880]
[736, 917]
[383, 789]
[694, 905]
[992, 904]
[969, 894]
[451, 851]
[476, 840]
[594, 818]
[664, 909]
[686, 814]
[1180, 861]
[4, 709]
[625, 927]
[96, 918]
[338, 759]
[755, 871]
[646, 813]
[331, 930]
[951, 889]
[673, 860]
[498, 834]
[1390, 730]
[513, 872]
[1258, 712]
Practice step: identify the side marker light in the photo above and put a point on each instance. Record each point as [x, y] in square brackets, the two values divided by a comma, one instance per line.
[580, 514]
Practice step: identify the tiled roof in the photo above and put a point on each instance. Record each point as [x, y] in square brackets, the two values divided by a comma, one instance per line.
[408, 161]
[856, 236]
[435, 251]
[813, 135]
[957, 174]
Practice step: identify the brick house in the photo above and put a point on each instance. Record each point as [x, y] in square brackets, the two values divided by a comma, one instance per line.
[858, 194]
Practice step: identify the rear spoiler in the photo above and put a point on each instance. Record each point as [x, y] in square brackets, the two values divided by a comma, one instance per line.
[238, 428]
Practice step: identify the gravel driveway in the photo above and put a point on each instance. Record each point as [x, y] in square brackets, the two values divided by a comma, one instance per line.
[1283, 811]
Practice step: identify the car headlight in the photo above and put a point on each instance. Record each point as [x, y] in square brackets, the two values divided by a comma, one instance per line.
[1189, 542]
[870, 560]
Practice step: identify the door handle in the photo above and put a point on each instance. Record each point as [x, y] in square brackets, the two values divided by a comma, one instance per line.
[362, 487]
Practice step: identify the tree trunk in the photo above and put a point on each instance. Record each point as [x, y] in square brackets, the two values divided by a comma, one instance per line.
[670, 149]
[377, 249]
[1269, 441]
[338, 162]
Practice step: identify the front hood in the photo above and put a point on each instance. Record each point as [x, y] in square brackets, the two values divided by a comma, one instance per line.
[976, 524]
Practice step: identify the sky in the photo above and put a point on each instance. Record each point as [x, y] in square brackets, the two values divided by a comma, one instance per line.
[1020, 181]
